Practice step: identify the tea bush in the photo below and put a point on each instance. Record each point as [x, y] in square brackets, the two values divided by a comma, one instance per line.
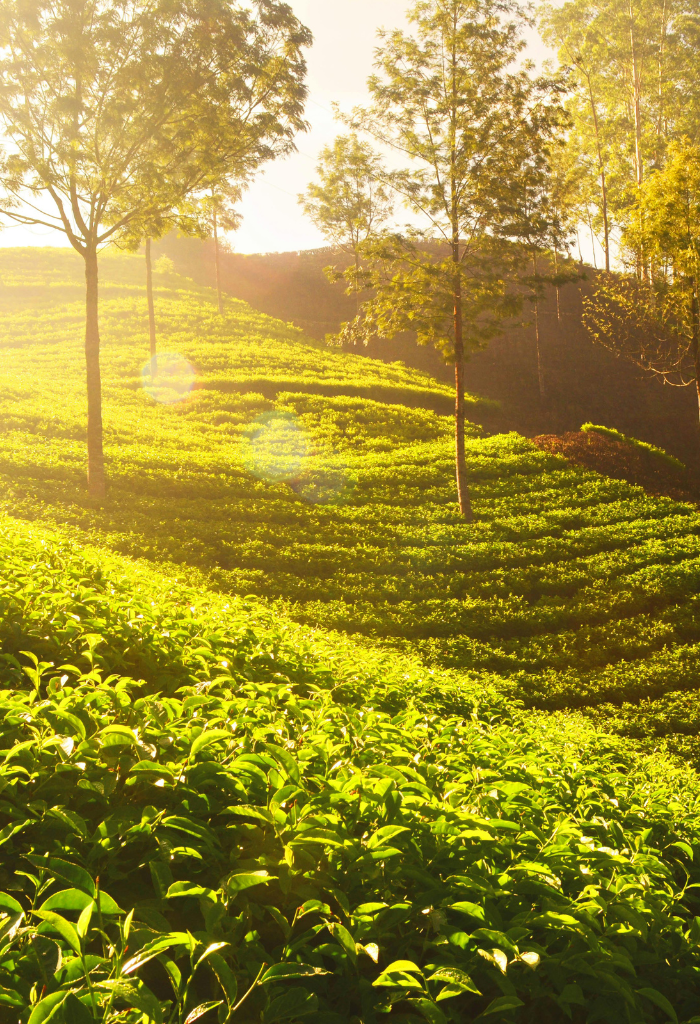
[206, 809]
[650, 449]
[575, 590]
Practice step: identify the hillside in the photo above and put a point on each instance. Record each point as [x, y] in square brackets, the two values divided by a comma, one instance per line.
[581, 381]
[576, 590]
[302, 829]
[342, 754]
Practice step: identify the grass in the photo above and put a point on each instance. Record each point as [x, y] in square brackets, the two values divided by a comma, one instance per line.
[283, 738]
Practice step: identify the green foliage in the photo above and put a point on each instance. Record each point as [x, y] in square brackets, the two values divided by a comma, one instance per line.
[344, 804]
[569, 590]
[616, 435]
[115, 167]
[349, 202]
[193, 822]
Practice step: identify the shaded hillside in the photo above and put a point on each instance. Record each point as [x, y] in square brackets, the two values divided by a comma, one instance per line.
[621, 461]
[582, 381]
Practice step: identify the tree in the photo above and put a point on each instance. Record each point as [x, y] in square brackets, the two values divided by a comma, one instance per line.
[474, 127]
[222, 203]
[656, 322]
[351, 199]
[112, 108]
[632, 68]
[569, 28]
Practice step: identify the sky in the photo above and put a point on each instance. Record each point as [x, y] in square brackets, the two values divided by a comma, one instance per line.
[339, 62]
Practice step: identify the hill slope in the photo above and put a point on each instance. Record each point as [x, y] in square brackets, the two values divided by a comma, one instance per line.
[359, 801]
[300, 829]
[581, 381]
[575, 590]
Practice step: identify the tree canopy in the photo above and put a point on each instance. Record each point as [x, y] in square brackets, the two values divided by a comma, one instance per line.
[473, 127]
[119, 112]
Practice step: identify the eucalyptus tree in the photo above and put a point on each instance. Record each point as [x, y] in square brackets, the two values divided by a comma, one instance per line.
[221, 204]
[472, 124]
[656, 323]
[351, 200]
[632, 67]
[120, 111]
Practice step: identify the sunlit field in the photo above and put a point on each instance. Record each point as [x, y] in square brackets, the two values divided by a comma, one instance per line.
[341, 754]
[573, 589]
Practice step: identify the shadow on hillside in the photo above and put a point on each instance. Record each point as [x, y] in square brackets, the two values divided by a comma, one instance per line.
[580, 381]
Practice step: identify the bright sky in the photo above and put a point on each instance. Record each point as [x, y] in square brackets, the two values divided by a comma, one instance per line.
[339, 63]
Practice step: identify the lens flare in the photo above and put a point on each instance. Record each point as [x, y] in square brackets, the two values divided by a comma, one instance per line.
[276, 448]
[168, 377]
[327, 485]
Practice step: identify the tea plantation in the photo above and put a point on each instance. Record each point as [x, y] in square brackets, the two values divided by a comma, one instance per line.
[283, 739]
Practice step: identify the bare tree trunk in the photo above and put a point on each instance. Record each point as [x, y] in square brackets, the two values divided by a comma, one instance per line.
[151, 311]
[96, 470]
[642, 269]
[601, 169]
[540, 374]
[218, 269]
[660, 117]
[636, 103]
[695, 346]
[556, 273]
[465, 506]
[590, 228]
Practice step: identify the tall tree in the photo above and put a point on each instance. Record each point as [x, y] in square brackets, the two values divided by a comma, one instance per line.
[474, 126]
[576, 39]
[112, 106]
[633, 74]
[351, 199]
[656, 323]
[222, 200]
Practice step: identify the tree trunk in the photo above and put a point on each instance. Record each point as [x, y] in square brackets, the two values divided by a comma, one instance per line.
[636, 103]
[695, 346]
[601, 169]
[216, 261]
[642, 268]
[540, 374]
[465, 505]
[590, 229]
[96, 470]
[151, 311]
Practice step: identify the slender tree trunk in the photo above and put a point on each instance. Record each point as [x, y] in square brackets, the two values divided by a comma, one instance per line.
[151, 311]
[695, 346]
[465, 505]
[540, 374]
[636, 102]
[642, 269]
[218, 269]
[601, 169]
[556, 274]
[660, 98]
[590, 228]
[96, 469]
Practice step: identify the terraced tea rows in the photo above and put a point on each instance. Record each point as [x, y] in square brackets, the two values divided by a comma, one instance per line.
[570, 590]
[206, 809]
